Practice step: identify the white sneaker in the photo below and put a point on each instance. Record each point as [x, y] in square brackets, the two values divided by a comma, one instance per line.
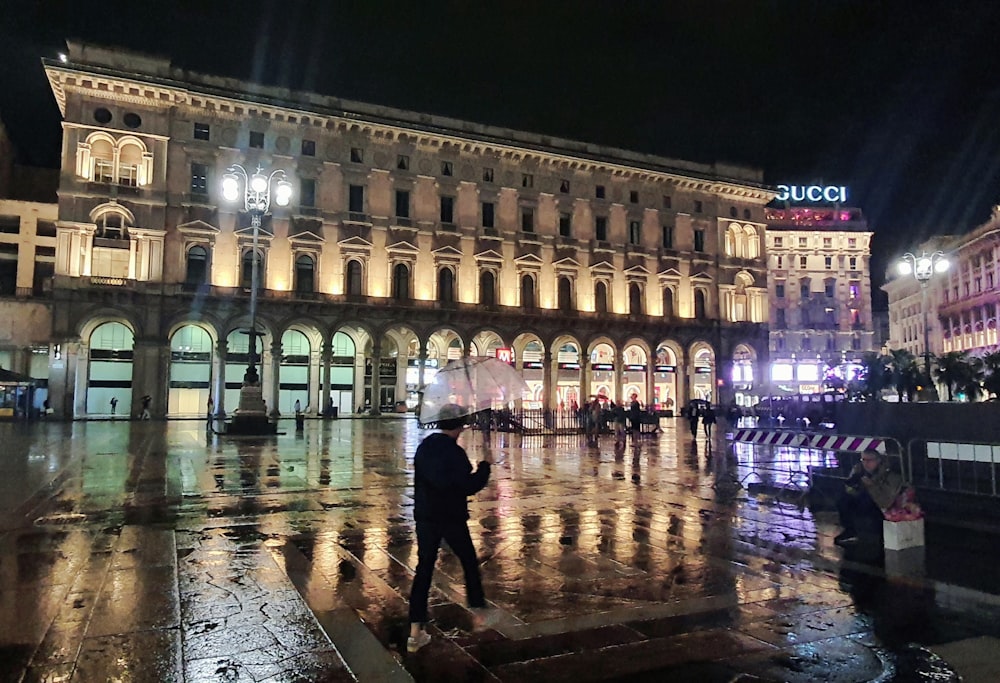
[414, 643]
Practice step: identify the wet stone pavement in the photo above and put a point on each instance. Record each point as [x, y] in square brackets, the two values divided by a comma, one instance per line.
[144, 551]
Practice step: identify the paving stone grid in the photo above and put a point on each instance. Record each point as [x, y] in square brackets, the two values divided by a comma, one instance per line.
[152, 551]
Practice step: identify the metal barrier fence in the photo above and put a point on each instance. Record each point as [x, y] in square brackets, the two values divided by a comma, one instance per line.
[792, 455]
[968, 467]
[538, 421]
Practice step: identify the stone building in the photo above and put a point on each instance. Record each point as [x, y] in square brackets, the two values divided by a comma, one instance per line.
[819, 286]
[961, 302]
[410, 240]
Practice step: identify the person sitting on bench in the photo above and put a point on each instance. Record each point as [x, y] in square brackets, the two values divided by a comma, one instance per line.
[869, 491]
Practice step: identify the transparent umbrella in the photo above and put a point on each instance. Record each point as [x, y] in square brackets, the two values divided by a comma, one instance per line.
[475, 384]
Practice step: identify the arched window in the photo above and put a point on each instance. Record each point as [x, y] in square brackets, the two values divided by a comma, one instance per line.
[601, 297]
[668, 302]
[400, 282]
[635, 303]
[752, 242]
[246, 270]
[102, 154]
[565, 294]
[446, 286]
[129, 161]
[699, 304]
[527, 291]
[487, 289]
[197, 266]
[305, 274]
[354, 283]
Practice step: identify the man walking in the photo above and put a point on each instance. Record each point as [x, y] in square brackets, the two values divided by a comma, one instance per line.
[443, 480]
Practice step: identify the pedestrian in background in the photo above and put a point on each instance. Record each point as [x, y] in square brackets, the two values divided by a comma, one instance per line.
[147, 400]
[443, 480]
[693, 419]
[708, 420]
[114, 404]
[211, 411]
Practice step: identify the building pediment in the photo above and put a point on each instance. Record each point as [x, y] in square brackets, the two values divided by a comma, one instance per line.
[403, 247]
[637, 271]
[602, 267]
[489, 255]
[567, 263]
[448, 253]
[355, 244]
[701, 277]
[529, 260]
[198, 227]
[669, 274]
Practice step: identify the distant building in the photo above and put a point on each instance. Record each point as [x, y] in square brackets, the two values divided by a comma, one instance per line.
[961, 302]
[412, 239]
[819, 292]
[907, 302]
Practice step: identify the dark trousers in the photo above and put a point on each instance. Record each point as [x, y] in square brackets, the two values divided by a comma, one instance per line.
[859, 508]
[429, 535]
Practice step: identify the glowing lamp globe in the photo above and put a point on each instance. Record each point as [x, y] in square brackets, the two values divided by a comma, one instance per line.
[230, 187]
[258, 183]
[283, 193]
[904, 268]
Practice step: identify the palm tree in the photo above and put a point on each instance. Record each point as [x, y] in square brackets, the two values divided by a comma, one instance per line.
[876, 375]
[991, 368]
[905, 373]
[972, 384]
[953, 371]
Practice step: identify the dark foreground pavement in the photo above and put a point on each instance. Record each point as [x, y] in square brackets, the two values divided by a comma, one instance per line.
[152, 552]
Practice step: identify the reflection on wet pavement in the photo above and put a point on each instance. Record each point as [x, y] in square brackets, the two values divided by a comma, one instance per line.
[152, 551]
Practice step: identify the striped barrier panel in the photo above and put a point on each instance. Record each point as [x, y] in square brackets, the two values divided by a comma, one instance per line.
[829, 442]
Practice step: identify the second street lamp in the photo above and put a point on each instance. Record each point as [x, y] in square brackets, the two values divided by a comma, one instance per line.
[923, 268]
[252, 416]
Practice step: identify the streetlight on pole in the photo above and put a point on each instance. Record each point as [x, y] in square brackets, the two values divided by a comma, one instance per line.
[252, 417]
[922, 268]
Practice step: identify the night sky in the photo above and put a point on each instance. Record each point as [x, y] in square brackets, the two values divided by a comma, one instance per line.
[897, 100]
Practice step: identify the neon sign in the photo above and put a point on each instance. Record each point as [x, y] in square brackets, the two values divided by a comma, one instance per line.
[812, 193]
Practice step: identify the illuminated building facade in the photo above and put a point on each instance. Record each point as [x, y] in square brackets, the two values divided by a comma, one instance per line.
[411, 240]
[819, 289]
[961, 301]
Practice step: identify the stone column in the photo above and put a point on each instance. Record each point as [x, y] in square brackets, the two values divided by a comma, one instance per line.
[317, 363]
[422, 359]
[681, 374]
[60, 380]
[650, 381]
[275, 378]
[219, 376]
[586, 379]
[150, 373]
[549, 382]
[619, 379]
[376, 380]
[78, 363]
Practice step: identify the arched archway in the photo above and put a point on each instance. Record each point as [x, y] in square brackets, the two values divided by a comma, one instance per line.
[296, 352]
[190, 371]
[109, 371]
[665, 380]
[742, 376]
[343, 373]
[603, 356]
[634, 373]
[703, 372]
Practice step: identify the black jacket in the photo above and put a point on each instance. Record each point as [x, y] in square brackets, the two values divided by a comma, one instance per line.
[443, 480]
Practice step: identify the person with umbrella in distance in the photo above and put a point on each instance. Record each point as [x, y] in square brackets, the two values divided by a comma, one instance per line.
[443, 481]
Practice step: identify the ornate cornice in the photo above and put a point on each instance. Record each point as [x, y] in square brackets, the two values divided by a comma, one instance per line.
[383, 123]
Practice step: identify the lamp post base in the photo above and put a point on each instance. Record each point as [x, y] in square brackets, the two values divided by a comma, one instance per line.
[251, 417]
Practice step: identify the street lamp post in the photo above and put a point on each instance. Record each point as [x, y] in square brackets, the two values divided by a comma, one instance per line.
[251, 418]
[922, 268]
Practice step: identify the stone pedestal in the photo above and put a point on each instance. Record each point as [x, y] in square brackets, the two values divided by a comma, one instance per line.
[251, 417]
